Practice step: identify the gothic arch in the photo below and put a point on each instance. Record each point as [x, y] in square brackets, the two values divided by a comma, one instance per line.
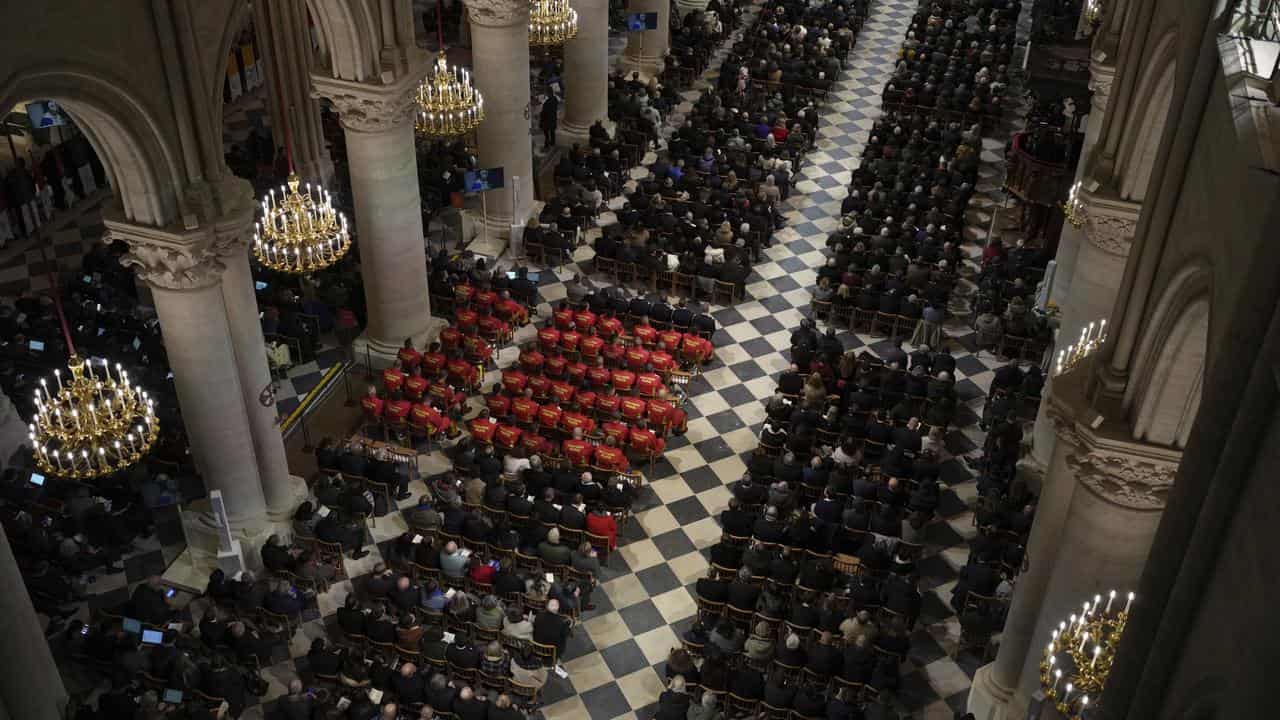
[350, 32]
[1149, 117]
[142, 167]
[1164, 395]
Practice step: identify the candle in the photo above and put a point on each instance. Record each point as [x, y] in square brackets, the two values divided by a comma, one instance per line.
[1057, 675]
[1097, 650]
[1084, 704]
[1112, 596]
[75, 415]
[1083, 639]
[1128, 603]
[58, 374]
[1066, 696]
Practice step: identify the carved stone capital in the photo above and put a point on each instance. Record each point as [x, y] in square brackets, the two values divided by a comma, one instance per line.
[1101, 78]
[1103, 456]
[370, 108]
[498, 13]
[1133, 482]
[1109, 223]
[172, 259]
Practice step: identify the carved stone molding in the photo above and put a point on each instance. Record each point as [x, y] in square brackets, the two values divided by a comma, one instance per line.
[370, 108]
[1106, 459]
[1101, 78]
[183, 260]
[174, 267]
[1132, 482]
[498, 13]
[1109, 223]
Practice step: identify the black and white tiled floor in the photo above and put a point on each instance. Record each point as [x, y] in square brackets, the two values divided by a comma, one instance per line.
[645, 600]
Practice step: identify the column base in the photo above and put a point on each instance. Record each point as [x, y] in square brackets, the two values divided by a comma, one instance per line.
[648, 65]
[569, 133]
[381, 353]
[989, 700]
[297, 494]
[201, 530]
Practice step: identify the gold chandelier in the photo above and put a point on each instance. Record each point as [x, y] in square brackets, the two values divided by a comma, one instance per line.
[1091, 338]
[449, 105]
[301, 232]
[552, 22]
[93, 424]
[1077, 660]
[1073, 209]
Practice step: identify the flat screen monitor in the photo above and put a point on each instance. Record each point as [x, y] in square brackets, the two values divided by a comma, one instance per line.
[152, 637]
[37, 479]
[45, 114]
[36, 345]
[132, 625]
[483, 179]
[636, 22]
[259, 285]
[172, 697]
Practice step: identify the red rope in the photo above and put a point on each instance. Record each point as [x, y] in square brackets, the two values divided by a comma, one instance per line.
[439, 28]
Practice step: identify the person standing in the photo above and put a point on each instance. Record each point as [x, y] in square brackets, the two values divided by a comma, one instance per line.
[549, 117]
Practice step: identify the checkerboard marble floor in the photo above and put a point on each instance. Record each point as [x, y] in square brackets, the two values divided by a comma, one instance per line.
[614, 659]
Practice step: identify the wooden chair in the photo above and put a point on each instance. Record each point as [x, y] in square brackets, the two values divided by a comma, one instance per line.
[528, 697]
[724, 293]
[737, 705]
[546, 653]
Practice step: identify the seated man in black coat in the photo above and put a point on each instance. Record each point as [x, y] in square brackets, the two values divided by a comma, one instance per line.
[735, 520]
[743, 594]
[549, 628]
[712, 590]
[747, 683]
[726, 554]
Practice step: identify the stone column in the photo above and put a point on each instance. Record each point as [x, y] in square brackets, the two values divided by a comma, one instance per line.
[184, 274]
[1096, 519]
[282, 492]
[1101, 76]
[647, 49]
[684, 7]
[500, 53]
[1108, 231]
[586, 70]
[383, 165]
[30, 687]
[285, 43]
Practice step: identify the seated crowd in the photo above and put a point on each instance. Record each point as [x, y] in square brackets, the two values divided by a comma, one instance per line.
[710, 202]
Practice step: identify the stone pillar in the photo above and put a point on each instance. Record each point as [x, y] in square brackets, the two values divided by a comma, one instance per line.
[13, 431]
[285, 43]
[684, 7]
[1109, 227]
[647, 49]
[383, 165]
[30, 687]
[586, 69]
[500, 52]
[281, 491]
[1097, 516]
[184, 274]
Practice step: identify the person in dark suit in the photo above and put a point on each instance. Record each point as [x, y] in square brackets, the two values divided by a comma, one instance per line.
[440, 695]
[549, 628]
[974, 577]
[712, 590]
[410, 687]
[824, 658]
[726, 554]
[743, 595]
[735, 520]
[673, 703]
[573, 515]
[747, 683]
[462, 653]
[227, 683]
[768, 528]
[790, 651]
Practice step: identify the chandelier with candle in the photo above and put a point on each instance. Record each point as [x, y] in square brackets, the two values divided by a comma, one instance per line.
[1073, 209]
[449, 105]
[552, 22]
[1078, 658]
[1091, 338]
[300, 231]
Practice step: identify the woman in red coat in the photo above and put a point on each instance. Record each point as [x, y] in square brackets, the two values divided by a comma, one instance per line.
[602, 523]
